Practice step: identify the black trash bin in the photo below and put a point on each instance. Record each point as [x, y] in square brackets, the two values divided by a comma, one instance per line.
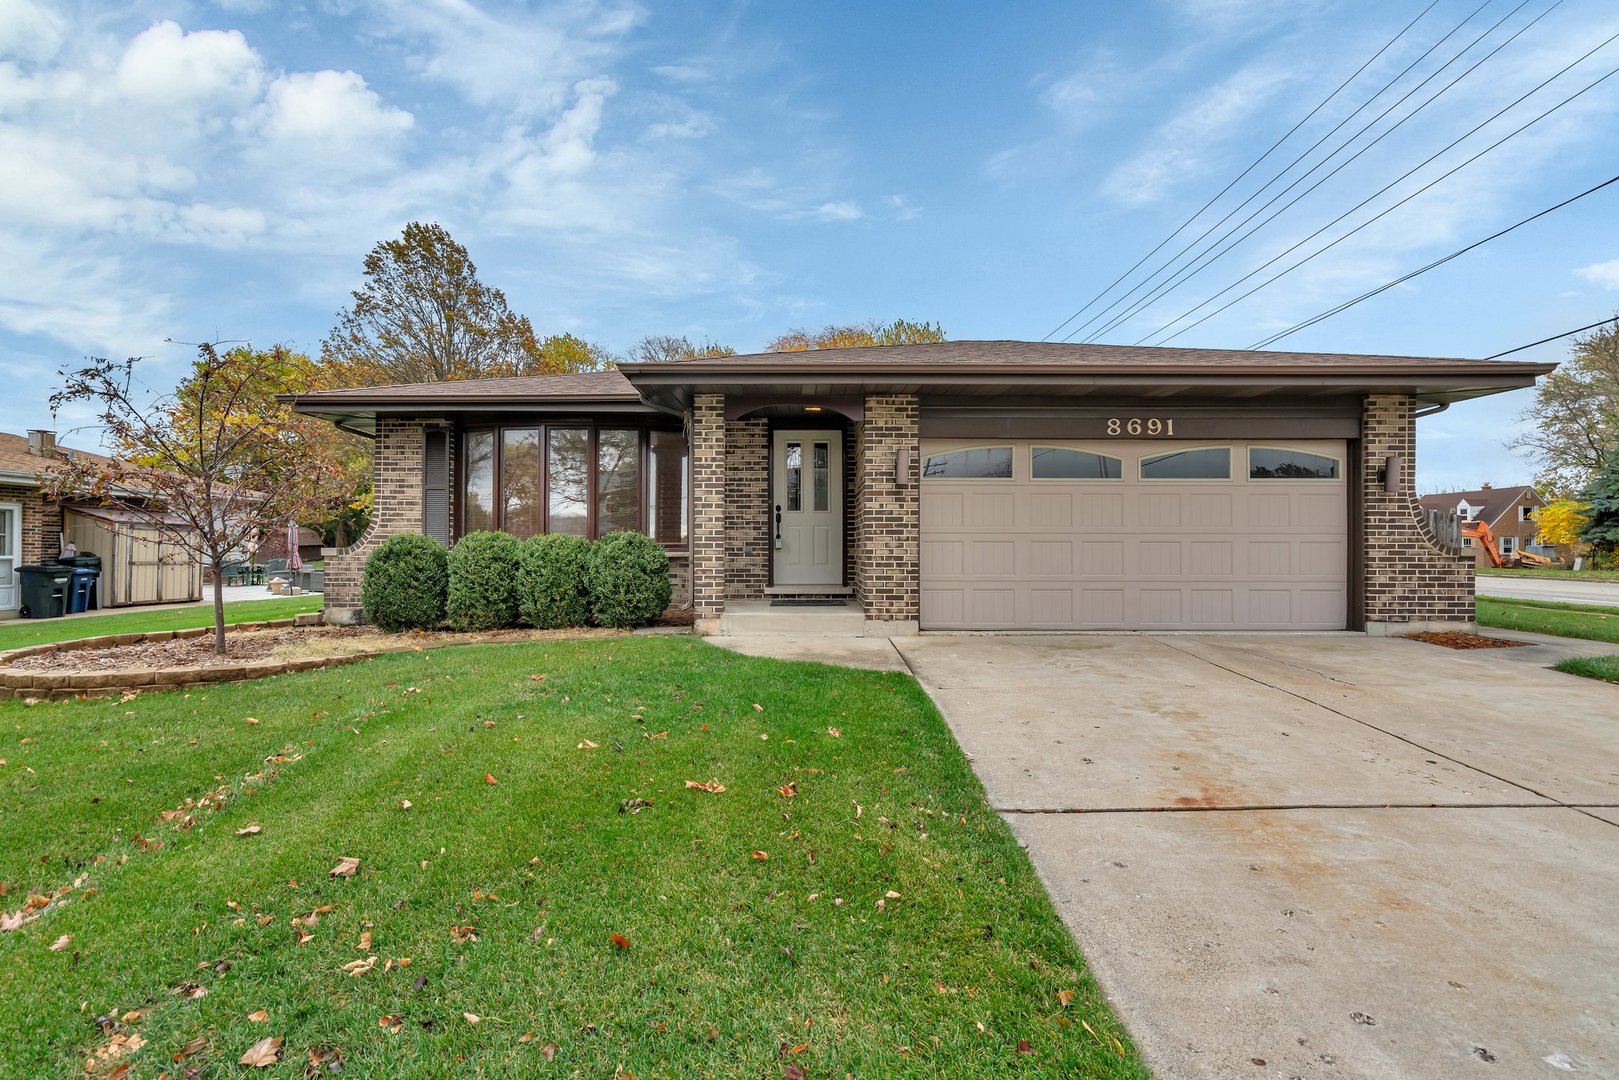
[44, 590]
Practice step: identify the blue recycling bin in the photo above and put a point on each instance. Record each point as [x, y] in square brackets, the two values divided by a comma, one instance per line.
[81, 590]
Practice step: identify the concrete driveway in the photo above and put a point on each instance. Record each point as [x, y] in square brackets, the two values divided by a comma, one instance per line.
[1325, 856]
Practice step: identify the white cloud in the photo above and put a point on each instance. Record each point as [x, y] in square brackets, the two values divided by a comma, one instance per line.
[331, 113]
[902, 208]
[839, 211]
[166, 67]
[689, 74]
[29, 32]
[1603, 274]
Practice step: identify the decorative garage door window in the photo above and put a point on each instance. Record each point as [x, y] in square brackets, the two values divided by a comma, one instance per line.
[977, 463]
[1280, 463]
[1198, 463]
[1062, 463]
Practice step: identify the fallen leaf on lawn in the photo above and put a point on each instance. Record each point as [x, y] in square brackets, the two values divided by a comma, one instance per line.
[61, 943]
[365, 941]
[391, 1024]
[463, 935]
[588, 745]
[133, 1016]
[793, 1071]
[1065, 996]
[891, 894]
[858, 810]
[356, 968]
[659, 735]
[421, 981]
[251, 720]
[264, 1053]
[834, 732]
[260, 1016]
[1023, 1047]
[195, 1046]
[404, 804]
[249, 830]
[328, 1056]
[620, 940]
[759, 856]
[190, 990]
[488, 723]
[472, 1018]
[10, 921]
[788, 790]
[536, 678]
[489, 778]
[345, 867]
[120, 1072]
[799, 1049]
[882, 905]
[527, 1036]
[549, 1051]
[304, 936]
[713, 787]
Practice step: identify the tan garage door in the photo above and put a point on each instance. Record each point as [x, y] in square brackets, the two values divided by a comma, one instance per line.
[1135, 535]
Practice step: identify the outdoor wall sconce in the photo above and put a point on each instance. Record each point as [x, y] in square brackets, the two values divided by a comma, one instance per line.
[902, 466]
[1393, 472]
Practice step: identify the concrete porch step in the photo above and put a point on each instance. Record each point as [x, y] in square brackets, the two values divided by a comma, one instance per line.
[749, 618]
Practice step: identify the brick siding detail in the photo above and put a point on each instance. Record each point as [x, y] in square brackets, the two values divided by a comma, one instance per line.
[41, 522]
[888, 535]
[747, 509]
[1409, 576]
[396, 470]
[708, 542]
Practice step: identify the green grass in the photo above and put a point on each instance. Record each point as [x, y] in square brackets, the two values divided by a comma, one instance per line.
[17, 633]
[1592, 667]
[1566, 575]
[732, 961]
[1588, 621]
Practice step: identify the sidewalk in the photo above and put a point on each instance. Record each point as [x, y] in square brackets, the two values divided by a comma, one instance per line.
[233, 594]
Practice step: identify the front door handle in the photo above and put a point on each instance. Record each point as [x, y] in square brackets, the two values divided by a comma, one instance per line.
[778, 526]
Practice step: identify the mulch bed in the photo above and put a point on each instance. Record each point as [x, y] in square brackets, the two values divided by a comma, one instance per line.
[1456, 639]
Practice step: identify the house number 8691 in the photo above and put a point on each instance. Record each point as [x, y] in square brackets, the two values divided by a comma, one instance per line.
[1137, 426]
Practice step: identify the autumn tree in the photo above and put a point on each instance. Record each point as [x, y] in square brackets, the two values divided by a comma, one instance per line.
[1560, 522]
[423, 315]
[660, 347]
[858, 336]
[1573, 425]
[209, 467]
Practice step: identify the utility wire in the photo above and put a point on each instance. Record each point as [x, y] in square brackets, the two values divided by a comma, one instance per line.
[1381, 214]
[1554, 337]
[1252, 166]
[1385, 88]
[1209, 255]
[1347, 304]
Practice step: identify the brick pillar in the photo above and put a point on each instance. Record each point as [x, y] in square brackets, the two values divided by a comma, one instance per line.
[888, 534]
[396, 467]
[747, 509]
[1412, 582]
[708, 542]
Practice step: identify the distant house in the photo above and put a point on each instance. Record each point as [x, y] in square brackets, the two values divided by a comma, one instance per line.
[139, 566]
[1508, 511]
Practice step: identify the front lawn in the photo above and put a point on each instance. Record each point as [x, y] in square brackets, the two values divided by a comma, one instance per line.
[553, 900]
[1592, 667]
[1589, 621]
[17, 633]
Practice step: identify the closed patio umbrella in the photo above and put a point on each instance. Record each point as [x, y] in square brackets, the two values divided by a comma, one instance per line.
[293, 561]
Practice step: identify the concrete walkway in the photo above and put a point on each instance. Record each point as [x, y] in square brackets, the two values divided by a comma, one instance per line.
[1325, 856]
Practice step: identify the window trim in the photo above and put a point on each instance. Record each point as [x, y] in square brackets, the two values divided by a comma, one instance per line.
[1337, 463]
[1037, 445]
[1010, 448]
[1142, 459]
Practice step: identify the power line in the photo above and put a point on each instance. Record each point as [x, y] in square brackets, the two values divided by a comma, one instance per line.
[1347, 304]
[1252, 166]
[1554, 337]
[1205, 259]
[1173, 259]
[1381, 214]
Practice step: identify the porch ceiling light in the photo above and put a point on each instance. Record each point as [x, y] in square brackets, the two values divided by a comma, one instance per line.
[812, 408]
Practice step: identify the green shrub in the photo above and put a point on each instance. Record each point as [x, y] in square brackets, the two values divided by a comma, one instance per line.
[628, 580]
[483, 581]
[551, 587]
[405, 584]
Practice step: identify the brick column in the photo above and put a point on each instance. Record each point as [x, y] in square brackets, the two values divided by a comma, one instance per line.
[1412, 582]
[396, 468]
[747, 509]
[708, 542]
[888, 533]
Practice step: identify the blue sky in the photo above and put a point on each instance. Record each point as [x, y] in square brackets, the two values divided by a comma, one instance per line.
[203, 171]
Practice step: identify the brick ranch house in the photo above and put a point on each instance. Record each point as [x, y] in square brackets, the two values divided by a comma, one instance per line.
[967, 485]
[1508, 511]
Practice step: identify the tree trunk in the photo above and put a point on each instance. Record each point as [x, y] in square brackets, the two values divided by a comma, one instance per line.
[219, 606]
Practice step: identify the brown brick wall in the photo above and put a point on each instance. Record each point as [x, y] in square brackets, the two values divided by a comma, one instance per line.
[708, 544]
[1409, 577]
[396, 469]
[41, 522]
[747, 509]
[887, 578]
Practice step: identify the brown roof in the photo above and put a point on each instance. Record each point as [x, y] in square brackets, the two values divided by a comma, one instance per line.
[591, 385]
[1493, 501]
[16, 460]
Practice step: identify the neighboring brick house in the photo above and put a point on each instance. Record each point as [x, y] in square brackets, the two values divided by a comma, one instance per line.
[1508, 511]
[967, 485]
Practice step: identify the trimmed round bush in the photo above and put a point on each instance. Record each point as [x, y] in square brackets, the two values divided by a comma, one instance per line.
[628, 580]
[483, 594]
[405, 584]
[551, 587]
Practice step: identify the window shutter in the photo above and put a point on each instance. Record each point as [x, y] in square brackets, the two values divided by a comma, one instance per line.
[436, 485]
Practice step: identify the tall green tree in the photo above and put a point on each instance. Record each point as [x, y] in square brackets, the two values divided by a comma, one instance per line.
[423, 315]
[858, 336]
[1601, 528]
[1573, 426]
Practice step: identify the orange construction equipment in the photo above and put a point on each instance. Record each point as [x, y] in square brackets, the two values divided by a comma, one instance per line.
[1484, 536]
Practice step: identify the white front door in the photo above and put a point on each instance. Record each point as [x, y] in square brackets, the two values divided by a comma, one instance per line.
[10, 553]
[807, 507]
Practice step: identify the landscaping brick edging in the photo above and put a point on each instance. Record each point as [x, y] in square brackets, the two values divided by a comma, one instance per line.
[64, 686]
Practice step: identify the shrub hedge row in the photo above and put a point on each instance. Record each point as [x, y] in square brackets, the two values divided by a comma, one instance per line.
[490, 580]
